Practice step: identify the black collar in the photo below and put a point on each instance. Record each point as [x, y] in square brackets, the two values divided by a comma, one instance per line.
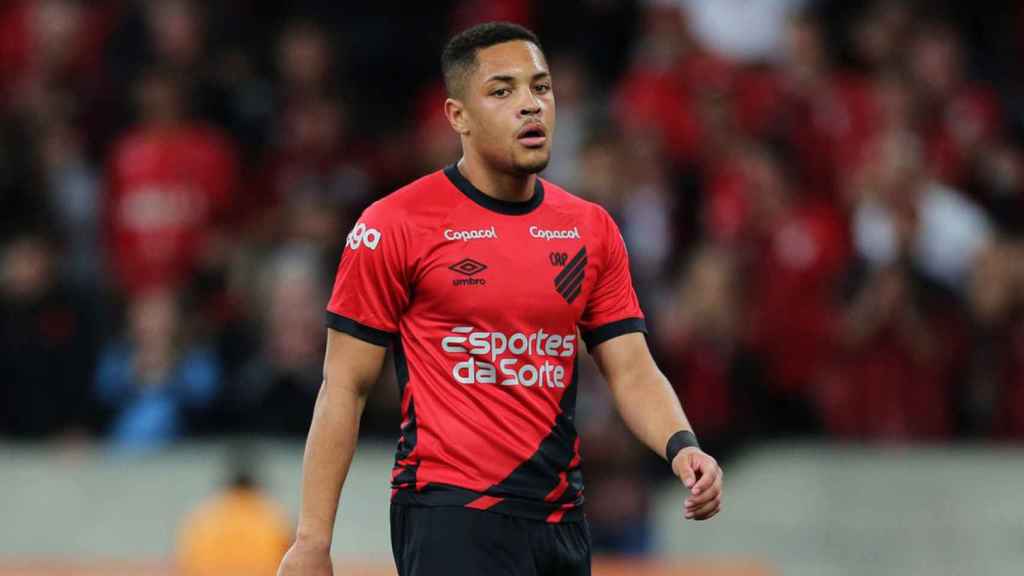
[491, 203]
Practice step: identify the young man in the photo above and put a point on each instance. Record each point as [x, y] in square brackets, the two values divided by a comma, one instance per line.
[484, 277]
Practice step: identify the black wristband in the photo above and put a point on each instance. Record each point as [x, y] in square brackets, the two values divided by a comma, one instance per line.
[677, 442]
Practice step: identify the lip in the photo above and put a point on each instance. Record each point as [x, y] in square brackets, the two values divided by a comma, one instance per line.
[532, 141]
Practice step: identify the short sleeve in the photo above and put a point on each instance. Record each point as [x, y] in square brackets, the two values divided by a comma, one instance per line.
[371, 289]
[612, 308]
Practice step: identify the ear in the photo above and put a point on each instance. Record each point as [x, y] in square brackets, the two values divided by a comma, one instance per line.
[455, 112]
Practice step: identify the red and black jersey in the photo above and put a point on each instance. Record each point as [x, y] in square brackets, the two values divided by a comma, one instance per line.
[485, 302]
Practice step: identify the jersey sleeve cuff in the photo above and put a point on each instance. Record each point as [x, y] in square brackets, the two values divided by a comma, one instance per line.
[608, 331]
[361, 331]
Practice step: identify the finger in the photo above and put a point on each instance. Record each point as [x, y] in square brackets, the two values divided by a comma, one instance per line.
[687, 475]
[712, 514]
[694, 502]
[704, 497]
[703, 511]
[708, 474]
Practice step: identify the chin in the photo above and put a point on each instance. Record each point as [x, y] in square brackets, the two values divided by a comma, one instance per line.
[533, 165]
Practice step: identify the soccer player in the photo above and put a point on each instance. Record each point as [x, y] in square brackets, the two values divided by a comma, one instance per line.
[486, 280]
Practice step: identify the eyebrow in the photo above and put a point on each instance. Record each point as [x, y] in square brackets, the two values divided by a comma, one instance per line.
[512, 79]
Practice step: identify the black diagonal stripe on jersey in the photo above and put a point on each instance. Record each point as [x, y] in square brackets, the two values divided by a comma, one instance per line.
[572, 264]
[401, 366]
[537, 476]
[408, 432]
[576, 292]
[574, 476]
[407, 477]
[574, 280]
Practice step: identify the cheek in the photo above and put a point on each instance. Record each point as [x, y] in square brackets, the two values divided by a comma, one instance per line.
[494, 130]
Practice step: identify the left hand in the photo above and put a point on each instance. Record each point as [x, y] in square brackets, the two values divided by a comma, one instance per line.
[702, 475]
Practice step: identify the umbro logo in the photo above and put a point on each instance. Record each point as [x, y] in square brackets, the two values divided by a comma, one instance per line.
[468, 267]
[569, 281]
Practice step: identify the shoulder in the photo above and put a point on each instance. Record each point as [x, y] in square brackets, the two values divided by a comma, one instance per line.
[563, 200]
[405, 214]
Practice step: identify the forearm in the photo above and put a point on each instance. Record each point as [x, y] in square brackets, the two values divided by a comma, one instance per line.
[649, 407]
[329, 448]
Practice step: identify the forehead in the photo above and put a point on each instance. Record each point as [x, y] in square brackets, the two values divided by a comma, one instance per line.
[517, 58]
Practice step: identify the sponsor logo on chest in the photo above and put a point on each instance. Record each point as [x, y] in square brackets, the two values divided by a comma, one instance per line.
[467, 235]
[548, 235]
[467, 267]
[517, 359]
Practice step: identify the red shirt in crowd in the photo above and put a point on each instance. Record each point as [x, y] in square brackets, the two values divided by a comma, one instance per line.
[169, 190]
[794, 278]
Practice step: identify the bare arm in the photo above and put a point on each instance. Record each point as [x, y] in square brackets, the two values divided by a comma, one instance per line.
[651, 410]
[351, 367]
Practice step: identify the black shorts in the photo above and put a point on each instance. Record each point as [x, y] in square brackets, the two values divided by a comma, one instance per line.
[442, 541]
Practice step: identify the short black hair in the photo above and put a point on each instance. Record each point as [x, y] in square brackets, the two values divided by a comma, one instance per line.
[458, 59]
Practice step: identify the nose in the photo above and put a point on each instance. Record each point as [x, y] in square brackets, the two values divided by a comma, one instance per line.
[530, 106]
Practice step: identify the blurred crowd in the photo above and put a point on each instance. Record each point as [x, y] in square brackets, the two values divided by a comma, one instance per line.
[823, 201]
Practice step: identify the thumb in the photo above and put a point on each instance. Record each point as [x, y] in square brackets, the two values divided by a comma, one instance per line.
[686, 473]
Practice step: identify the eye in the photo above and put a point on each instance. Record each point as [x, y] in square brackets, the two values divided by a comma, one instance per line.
[500, 92]
[542, 88]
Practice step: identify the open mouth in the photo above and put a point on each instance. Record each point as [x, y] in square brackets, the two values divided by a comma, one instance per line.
[532, 136]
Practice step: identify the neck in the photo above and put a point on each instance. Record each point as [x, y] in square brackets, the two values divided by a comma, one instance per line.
[500, 185]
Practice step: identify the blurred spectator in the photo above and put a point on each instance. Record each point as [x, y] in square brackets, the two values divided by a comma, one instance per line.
[239, 531]
[627, 173]
[50, 46]
[878, 32]
[172, 183]
[895, 97]
[723, 212]
[48, 340]
[823, 112]
[994, 390]
[796, 249]
[154, 382]
[305, 61]
[574, 113]
[177, 32]
[278, 387]
[315, 167]
[903, 213]
[716, 374]
[73, 191]
[901, 344]
[657, 93]
[601, 179]
[316, 162]
[645, 209]
[960, 115]
[180, 38]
